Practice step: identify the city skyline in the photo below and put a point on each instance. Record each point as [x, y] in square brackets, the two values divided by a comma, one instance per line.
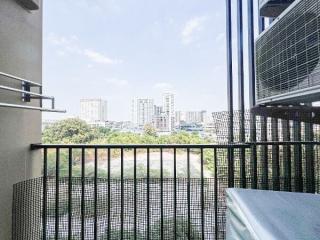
[183, 53]
[90, 107]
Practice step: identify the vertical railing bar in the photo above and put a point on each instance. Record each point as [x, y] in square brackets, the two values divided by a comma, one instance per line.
[95, 193]
[82, 193]
[229, 69]
[297, 156]
[175, 191]
[229, 90]
[109, 194]
[148, 193]
[44, 206]
[275, 155]
[188, 193]
[309, 155]
[242, 156]
[70, 196]
[57, 194]
[253, 162]
[264, 154]
[122, 194]
[215, 195]
[135, 191]
[230, 154]
[251, 57]
[161, 192]
[202, 194]
[241, 92]
[286, 154]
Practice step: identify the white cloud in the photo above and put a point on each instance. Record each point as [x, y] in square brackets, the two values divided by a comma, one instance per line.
[163, 86]
[99, 57]
[191, 28]
[71, 45]
[221, 36]
[117, 82]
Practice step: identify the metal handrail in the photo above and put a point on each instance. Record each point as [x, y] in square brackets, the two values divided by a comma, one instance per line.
[31, 108]
[213, 146]
[128, 146]
[27, 95]
[26, 92]
[20, 79]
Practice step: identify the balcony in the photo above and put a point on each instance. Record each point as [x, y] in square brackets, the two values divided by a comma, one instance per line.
[152, 191]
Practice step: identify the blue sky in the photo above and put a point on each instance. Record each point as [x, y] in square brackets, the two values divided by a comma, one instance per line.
[119, 49]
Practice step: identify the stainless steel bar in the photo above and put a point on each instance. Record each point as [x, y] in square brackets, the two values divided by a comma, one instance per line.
[34, 84]
[9, 105]
[24, 91]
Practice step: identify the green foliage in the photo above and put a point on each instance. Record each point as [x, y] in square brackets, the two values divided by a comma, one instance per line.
[68, 131]
[75, 131]
[149, 130]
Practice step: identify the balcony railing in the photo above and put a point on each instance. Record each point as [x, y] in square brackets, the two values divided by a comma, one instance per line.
[151, 191]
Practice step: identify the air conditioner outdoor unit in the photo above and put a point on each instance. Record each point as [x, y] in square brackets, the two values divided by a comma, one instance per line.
[287, 56]
[273, 8]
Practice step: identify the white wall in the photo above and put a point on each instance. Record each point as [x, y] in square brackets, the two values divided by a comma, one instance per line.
[21, 55]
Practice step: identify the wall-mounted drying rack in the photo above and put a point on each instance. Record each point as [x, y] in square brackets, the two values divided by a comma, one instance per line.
[27, 95]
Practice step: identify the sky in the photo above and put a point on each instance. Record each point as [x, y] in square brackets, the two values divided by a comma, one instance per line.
[120, 49]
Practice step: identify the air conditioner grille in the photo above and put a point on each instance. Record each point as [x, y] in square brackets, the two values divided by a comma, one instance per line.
[287, 54]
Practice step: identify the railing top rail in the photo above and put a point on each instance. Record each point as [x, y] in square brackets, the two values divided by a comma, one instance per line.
[20, 79]
[285, 143]
[128, 146]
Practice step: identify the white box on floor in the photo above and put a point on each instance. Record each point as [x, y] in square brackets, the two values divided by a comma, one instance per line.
[270, 215]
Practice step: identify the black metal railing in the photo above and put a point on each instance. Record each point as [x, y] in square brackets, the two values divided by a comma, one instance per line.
[151, 191]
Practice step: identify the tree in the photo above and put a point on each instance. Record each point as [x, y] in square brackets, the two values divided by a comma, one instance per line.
[149, 130]
[68, 131]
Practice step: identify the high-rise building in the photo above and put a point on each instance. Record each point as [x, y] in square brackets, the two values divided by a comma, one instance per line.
[142, 111]
[196, 116]
[160, 122]
[168, 109]
[158, 110]
[190, 117]
[93, 110]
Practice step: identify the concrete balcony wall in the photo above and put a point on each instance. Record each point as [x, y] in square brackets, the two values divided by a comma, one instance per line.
[20, 55]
